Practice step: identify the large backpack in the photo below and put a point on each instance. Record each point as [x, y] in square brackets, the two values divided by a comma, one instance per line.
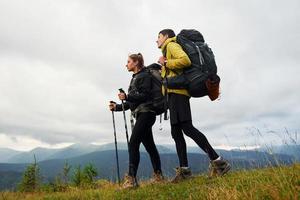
[159, 103]
[201, 78]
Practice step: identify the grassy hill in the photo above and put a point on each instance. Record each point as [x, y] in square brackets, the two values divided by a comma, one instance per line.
[269, 183]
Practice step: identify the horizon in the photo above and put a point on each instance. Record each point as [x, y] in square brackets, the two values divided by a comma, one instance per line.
[220, 147]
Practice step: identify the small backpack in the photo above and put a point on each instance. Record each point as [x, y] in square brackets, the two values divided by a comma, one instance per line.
[159, 103]
[201, 78]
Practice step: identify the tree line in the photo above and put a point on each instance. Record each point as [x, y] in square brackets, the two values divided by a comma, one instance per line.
[32, 180]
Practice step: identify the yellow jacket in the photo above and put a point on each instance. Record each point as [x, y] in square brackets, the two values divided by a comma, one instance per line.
[177, 60]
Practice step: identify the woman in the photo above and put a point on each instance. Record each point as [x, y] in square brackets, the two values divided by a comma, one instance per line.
[138, 100]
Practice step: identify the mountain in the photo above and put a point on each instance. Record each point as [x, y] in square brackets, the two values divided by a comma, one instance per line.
[105, 163]
[292, 150]
[6, 154]
[123, 146]
[42, 154]
[28, 157]
[9, 179]
[74, 150]
[15, 167]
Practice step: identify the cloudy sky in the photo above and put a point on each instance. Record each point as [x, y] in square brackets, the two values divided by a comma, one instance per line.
[62, 61]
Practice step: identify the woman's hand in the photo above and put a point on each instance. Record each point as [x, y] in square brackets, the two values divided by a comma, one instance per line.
[122, 96]
[112, 106]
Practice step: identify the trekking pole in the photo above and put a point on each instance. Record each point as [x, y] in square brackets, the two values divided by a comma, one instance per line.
[116, 144]
[160, 119]
[167, 100]
[125, 121]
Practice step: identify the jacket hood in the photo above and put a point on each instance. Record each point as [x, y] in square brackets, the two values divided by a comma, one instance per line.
[164, 46]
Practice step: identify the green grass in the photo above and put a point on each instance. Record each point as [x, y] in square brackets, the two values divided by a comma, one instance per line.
[270, 183]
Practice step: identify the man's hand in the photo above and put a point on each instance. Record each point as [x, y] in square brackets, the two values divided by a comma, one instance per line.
[112, 106]
[162, 60]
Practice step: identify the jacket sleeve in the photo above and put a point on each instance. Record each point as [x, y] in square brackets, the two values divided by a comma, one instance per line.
[179, 59]
[141, 94]
[119, 106]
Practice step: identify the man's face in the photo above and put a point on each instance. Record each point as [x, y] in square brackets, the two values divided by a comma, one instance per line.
[161, 40]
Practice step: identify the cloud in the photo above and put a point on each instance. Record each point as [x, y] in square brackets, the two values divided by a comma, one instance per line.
[61, 62]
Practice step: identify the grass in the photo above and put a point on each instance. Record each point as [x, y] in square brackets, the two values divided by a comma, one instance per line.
[269, 183]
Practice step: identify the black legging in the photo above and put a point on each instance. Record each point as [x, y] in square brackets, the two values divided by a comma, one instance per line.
[142, 133]
[189, 130]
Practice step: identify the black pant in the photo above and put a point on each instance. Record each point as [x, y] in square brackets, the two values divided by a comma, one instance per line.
[179, 105]
[142, 133]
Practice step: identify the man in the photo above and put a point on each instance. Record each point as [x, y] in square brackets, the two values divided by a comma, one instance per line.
[174, 61]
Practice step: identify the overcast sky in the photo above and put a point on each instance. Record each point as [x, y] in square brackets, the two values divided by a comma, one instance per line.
[62, 61]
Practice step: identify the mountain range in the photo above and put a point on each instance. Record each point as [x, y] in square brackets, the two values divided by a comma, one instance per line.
[41, 154]
[51, 161]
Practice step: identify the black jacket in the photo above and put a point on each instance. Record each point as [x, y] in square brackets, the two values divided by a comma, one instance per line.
[138, 98]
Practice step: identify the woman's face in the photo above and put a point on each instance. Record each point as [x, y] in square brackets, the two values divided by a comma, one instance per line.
[131, 65]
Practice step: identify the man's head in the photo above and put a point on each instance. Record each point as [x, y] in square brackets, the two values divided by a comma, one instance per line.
[163, 35]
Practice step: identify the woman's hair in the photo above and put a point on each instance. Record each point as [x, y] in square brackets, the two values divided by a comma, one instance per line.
[139, 58]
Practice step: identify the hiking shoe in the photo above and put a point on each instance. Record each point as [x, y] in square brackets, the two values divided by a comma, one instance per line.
[129, 182]
[157, 177]
[181, 174]
[212, 171]
[218, 167]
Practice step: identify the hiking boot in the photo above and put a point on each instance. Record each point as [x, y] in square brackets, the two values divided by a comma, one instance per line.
[129, 182]
[157, 177]
[181, 174]
[218, 167]
[212, 172]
